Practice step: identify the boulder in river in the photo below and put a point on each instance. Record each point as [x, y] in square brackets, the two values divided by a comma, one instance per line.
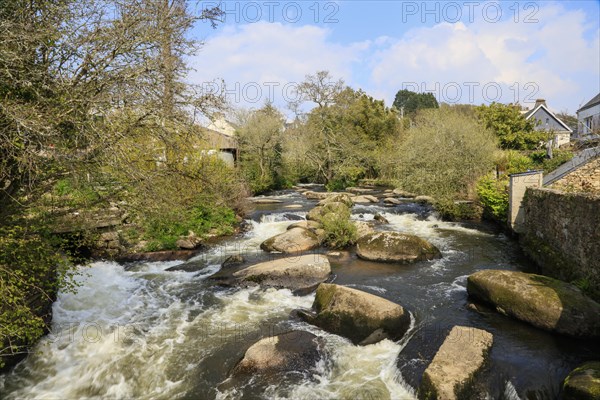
[541, 301]
[583, 383]
[317, 213]
[403, 193]
[294, 240]
[295, 351]
[363, 228]
[359, 316]
[365, 199]
[305, 225]
[451, 373]
[390, 246]
[300, 274]
[337, 198]
[265, 200]
[391, 200]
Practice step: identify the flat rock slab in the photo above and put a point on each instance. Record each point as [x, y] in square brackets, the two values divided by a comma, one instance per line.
[391, 246]
[359, 316]
[583, 383]
[365, 199]
[459, 358]
[301, 274]
[294, 240]
[296, 351]
[541, 301]
[392, 200]
[265, 200]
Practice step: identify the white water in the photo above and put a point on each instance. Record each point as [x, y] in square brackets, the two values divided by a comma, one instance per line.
[142, 334]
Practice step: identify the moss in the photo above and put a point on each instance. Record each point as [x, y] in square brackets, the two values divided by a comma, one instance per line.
[324, 296]
[583, 382]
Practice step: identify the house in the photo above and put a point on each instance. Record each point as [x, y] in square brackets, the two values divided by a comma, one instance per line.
[221, 140]
[546, 121]
[588, 118]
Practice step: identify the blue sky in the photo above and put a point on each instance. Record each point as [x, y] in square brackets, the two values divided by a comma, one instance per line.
[462, 51]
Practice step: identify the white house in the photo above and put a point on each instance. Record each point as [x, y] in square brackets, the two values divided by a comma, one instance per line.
[588, 118]
[546, 121]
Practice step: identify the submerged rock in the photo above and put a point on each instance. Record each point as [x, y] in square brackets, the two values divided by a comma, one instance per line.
[398, 247]
[583, 383]
[295, 351]
[541, 301]
[359, 316]
[451, 373]
[294, 240]
[300, 274]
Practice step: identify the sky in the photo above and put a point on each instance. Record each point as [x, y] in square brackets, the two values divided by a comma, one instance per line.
[471, 52]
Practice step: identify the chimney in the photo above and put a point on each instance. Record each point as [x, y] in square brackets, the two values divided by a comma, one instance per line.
[538, 102]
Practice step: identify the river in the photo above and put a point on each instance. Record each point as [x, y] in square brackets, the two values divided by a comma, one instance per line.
[140, 331]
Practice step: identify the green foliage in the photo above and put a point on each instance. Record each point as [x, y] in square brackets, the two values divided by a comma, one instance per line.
[444, 155]
[202, 219]
[340, 232]
[341, 142]
[411, 102]
[260, 141]
[511, 127]
[493, 194]
[32, 269]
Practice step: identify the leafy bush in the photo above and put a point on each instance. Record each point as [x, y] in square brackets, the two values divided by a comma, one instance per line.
[340, 232]
[163, 232]
[32, 269]
[493, 195]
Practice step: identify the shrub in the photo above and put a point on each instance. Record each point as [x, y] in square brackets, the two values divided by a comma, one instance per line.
[340, 232]
[493, 195]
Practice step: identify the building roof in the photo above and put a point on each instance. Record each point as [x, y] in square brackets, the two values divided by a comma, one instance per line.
[591, 103]
[531, 112]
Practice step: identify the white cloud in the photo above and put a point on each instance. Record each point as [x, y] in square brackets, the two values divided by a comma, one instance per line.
[553, 54]
[556, 54]
[255, 55]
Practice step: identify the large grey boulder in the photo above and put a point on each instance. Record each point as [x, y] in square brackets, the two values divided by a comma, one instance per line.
[296, 351]
[541, 301]
[301, 274]
[305, 225]
[359, 316]
[363, 228]
[451, 373]
[390, 246]
[583, 383]
[294, 240]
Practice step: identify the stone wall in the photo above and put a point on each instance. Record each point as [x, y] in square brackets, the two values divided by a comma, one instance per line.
[584, 179]
[561, 232]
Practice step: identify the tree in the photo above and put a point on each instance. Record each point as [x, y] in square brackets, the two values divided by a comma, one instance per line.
[320, 88]
[510, 126]
[260, 141]
[444, 155]
[408, 102]
[340, 139]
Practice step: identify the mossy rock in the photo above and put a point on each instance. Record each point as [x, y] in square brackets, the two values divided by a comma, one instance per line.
[317, 213]
[541, 301]
[294, 240]
[359, 316]
[337, 198]
[583, 383]
[395, 247]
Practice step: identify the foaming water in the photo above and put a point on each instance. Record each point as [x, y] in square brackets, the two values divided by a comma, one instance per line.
[147, 333]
